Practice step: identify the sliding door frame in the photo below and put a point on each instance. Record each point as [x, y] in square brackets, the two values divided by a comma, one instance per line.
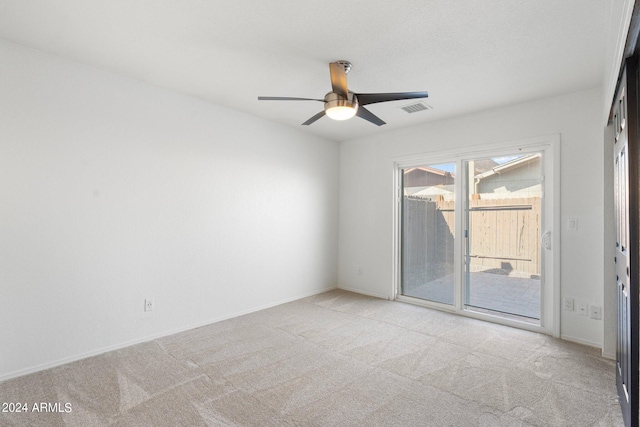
[550, 289]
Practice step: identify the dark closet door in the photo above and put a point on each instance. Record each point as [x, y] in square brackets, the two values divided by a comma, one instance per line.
[626, 217]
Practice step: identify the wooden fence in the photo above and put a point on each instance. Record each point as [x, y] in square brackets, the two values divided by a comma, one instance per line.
[427, 241]
[504, 235]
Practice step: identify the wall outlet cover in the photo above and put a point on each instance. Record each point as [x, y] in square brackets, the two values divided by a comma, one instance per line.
[567, 304]
[582, 308]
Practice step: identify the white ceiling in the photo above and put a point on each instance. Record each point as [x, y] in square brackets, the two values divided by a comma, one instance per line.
[469, 55]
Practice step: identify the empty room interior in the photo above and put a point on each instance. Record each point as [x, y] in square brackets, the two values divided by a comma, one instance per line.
[190, 234]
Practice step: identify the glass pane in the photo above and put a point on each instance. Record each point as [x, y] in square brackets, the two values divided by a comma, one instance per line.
[503, 228]
[428, 232]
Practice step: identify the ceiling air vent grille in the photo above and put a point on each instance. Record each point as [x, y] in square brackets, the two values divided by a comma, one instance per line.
[414, 108]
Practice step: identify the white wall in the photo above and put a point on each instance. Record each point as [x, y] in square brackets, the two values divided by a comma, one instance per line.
[366, 207]
[113, 191]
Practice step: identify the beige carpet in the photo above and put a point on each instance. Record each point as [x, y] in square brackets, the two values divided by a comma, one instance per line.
[335, 359]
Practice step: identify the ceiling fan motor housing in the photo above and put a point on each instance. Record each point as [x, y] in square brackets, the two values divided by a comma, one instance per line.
[340, 108]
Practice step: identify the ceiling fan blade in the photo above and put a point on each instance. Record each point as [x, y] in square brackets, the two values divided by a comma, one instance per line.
[314, 118]
[372, 98]
[286, 98]
[363, 113]
[338, 79]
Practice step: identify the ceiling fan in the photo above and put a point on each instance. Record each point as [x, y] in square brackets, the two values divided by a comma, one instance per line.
[342, 104]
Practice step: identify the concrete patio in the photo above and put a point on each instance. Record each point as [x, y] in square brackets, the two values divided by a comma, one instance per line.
[494, 290]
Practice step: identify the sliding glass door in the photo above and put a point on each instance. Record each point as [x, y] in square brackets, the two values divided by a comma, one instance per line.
[503, 236]
[475, 237]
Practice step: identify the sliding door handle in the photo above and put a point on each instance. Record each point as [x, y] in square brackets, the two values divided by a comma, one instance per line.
[546, 240]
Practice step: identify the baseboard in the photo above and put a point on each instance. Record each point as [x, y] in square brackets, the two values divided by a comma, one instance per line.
[360, 291]
[581, 341]
[102, 350]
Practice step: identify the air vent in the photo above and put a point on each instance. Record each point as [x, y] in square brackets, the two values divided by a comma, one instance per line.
[414, 108]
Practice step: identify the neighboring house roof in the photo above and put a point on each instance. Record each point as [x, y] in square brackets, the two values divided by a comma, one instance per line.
[507, 166]
[429, 170]
[483, 165]
[440, 190]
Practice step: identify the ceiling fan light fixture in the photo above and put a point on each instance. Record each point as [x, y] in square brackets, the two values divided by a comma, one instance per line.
[339, 108]
[341, 112]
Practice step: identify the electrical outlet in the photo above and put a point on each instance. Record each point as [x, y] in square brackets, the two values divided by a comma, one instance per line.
[595, 312]
[582, 308]
[567, 304]
[148, 304]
